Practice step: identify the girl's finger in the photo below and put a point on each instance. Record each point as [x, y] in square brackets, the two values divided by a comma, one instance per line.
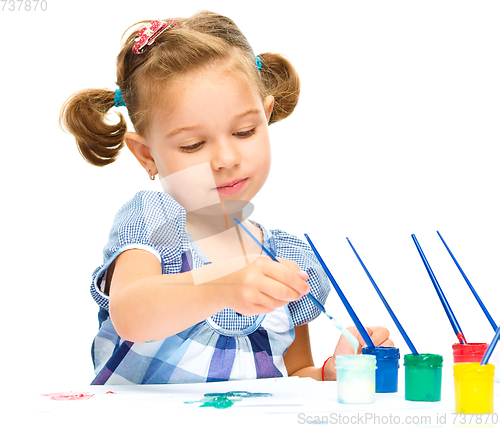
[286, 276]
[389, 343]
[379, 335]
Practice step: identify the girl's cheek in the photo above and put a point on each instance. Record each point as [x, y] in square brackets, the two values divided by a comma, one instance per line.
[193, 187]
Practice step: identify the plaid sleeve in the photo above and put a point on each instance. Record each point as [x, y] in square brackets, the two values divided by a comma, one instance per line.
[292, 248]
[152, 221]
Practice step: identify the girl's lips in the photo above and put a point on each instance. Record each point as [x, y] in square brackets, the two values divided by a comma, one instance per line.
[233, 187]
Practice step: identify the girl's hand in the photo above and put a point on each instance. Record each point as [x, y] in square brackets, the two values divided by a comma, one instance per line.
[379, 336]
[264, 285]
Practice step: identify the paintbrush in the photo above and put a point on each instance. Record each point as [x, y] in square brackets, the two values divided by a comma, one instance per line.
[491, 348]
[483, 307]
[347, 334]
[439, 291]
[386, 304]
[364, 334]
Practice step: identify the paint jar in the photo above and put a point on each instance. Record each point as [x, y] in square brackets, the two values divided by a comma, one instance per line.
[355, 378]
[473, 387]
[386, 374]
[495, 360]
[468, 352]
[423, 377]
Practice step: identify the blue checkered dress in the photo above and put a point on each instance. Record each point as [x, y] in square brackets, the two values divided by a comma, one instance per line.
[226, 346]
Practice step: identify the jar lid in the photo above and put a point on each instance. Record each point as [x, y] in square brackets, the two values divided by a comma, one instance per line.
[382, 352]
[423, 360]
[355, 362]
[469, 349]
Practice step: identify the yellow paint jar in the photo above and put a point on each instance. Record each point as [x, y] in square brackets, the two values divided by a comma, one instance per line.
[473, 387]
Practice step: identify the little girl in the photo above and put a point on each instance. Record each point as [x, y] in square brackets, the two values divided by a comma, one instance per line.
[184, 295]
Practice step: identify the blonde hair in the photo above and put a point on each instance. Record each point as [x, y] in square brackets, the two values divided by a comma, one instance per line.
[199, 41]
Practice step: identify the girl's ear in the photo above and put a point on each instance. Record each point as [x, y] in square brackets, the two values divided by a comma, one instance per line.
[138, 146]
[268, 106]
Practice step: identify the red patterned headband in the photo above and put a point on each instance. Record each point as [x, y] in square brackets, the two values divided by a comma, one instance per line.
[148, 34]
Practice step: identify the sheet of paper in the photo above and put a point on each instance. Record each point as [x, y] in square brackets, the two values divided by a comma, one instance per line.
[293, 401]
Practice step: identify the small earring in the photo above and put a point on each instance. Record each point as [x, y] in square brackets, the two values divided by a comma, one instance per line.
[151, 176]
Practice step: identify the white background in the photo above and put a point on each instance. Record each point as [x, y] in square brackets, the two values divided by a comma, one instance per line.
[396, 132]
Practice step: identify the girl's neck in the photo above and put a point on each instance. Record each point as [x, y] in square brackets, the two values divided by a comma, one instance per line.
[201, 226]
[215, 219]
[218, 235]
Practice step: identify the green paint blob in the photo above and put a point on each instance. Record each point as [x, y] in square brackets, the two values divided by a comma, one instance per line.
[218, 402]
[223, 400]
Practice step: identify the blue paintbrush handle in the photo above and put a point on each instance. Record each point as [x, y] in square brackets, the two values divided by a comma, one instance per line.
[317, 303]
[490, 319]
[364, 334]
[439, 291]
[255, 240]
[310, 296]
[386, 304]
[491, 348]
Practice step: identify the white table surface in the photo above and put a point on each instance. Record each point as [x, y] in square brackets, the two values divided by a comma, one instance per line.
[294, 402]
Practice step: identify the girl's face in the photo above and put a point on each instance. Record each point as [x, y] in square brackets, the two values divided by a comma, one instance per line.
[211, 141]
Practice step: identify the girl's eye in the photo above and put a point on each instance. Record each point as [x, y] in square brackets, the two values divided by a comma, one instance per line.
[197, 146]
[192, 148]
[245, 134]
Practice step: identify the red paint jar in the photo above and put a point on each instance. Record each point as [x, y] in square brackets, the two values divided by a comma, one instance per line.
[469, 352]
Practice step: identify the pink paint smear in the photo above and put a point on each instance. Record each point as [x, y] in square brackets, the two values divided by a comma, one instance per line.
[67, 396]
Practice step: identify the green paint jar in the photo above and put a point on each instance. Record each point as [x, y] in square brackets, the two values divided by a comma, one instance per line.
[423, 377]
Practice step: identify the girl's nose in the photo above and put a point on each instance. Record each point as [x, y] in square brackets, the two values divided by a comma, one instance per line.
[225, 154]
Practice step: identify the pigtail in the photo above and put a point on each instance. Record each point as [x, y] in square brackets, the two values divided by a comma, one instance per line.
[281, 80]
[84, 116]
